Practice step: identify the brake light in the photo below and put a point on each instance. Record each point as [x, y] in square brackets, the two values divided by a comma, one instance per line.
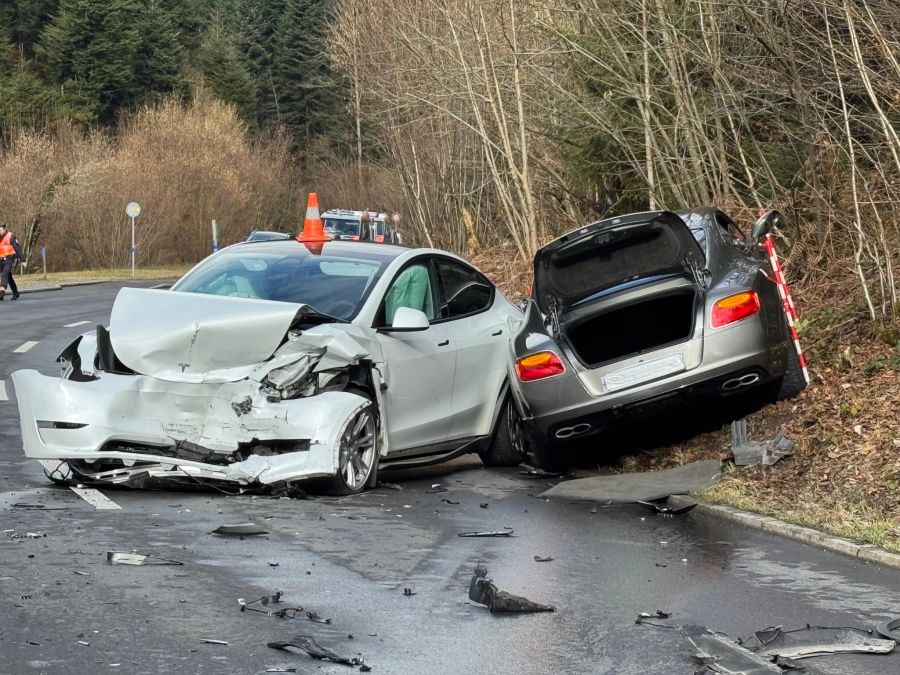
[539, 366]
[734, 308]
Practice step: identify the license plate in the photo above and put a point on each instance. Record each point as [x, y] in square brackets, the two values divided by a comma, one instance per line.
[644, 372]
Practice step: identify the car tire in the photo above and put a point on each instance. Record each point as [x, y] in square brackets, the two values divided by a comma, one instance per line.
[510, 444]
[793, 381]
[358, 452]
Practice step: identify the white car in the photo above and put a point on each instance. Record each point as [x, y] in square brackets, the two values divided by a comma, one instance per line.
[273, 362]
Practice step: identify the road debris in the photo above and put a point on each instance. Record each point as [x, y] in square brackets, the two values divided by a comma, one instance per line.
[436, 488]
[644, 617]
[801, 643]
[312, 616]
[660, 508]
[539, 473]
[889, 629]
[389, 486]
[408, 591]
[720, 654]
[450, 501]
[507, 532]
[538, 558]
[483, 505]
[643, 486]
[131, 558]
[239, 530]
[213, 642]
[485, 592]
[268, 605]
[307, 644]
[43, 507]
[747, 452]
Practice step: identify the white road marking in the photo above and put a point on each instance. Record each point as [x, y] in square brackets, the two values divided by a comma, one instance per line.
[95, 498]
[77, 323]
[21, 349]
[3, 394]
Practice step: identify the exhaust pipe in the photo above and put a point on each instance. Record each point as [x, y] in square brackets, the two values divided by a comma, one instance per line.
[577, 430]
[736, 383]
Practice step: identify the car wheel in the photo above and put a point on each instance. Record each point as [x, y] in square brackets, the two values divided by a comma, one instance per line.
[792, 382]
[358, 451]
[510, 445]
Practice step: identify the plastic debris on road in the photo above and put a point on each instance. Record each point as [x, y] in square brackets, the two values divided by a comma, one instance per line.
[485, 592]
[131, 558]
[748, 452]
[307, 644]
[239, 530]
[507, 532]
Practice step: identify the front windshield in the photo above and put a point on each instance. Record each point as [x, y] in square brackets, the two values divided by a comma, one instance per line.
[341, 226]
[333, 285]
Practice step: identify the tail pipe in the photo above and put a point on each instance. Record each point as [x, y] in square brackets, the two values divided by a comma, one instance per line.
[575, 430]
[736, 383]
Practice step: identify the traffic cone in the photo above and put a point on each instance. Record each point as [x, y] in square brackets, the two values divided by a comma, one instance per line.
[313, 234]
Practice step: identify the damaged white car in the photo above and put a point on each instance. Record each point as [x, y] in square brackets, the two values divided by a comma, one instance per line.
[271, 363]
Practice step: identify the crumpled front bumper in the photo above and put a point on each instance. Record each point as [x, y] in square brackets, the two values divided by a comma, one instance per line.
[68, 420]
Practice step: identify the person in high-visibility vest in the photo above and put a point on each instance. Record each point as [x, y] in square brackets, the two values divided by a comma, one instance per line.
[10, 252]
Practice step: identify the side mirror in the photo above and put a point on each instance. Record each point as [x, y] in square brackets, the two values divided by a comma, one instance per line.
[407, 320]
[766, 223]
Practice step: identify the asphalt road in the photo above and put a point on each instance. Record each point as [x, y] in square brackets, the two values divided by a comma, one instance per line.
[64, 610]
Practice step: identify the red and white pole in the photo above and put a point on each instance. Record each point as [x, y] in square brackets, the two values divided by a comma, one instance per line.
[787, 302]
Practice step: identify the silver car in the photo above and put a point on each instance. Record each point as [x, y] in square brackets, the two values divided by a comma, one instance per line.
[633, 313]
[272, 362]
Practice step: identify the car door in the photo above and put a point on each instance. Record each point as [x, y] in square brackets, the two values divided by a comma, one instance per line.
[418, 365]
[479, 334]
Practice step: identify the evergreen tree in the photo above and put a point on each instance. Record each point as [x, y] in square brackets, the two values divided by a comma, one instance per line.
[256, 25]
[159, 59]
[226, 72]
[27, 19]
[89, 48]
[311, 102]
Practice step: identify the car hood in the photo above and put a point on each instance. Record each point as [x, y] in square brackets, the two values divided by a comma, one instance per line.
[610, 253]
[193, 337]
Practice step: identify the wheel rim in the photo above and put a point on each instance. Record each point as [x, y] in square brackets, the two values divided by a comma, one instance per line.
[514, 423]
[357, 450]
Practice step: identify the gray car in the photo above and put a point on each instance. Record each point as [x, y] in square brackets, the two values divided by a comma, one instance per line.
[632, 313]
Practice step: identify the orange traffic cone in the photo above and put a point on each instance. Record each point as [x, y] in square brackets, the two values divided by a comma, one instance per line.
[313, 234]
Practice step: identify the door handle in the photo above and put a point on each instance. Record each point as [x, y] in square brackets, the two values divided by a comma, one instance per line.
[444, 343]
[499, 332]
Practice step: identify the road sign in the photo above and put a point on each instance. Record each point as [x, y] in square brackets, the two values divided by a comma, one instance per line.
[395, 217]
[133, 209]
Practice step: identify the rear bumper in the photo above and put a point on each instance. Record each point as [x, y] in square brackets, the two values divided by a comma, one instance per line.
[564, 409]
[67, 420]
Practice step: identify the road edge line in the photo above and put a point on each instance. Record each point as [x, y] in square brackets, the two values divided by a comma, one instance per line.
[867, 553]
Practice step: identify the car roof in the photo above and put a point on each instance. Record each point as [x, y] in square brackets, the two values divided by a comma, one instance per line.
[359, 249]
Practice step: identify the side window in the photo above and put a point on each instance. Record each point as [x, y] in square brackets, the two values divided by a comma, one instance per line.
[463, 290]
[414, 287]
[730, 231]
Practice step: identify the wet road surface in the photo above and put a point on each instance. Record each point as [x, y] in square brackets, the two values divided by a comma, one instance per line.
[349, 559]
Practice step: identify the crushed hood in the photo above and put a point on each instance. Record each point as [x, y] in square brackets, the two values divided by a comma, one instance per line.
[612, 252]
[193, 337]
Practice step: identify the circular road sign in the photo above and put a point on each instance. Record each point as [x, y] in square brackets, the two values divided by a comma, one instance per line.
[395, 217]
[133, 209]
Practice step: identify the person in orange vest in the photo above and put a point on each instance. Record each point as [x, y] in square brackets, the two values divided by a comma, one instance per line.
[10, 252]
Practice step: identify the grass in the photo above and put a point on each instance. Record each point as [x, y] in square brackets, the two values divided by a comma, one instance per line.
[31, 279]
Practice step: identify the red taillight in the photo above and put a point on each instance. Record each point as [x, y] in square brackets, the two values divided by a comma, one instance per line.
[538, 366]
[379, 238]
[734, 308]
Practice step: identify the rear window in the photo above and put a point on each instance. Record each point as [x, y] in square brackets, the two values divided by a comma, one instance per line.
[341, 226]
[332, 285]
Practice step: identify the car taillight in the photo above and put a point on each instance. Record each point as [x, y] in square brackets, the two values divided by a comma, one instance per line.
[538, 366]
[734, 308]
[354, 237]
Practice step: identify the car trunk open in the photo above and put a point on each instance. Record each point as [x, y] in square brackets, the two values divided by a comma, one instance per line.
[634, 328]
[580, 278]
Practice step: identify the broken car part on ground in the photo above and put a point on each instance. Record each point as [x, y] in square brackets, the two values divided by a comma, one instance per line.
[485, 592]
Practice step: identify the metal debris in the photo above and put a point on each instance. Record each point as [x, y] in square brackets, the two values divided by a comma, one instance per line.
[239, 530]
[507, 532]
[485, 592]
[660, 508]
[130, 558]
[811, 641]
[315, 650]
[268, 605]
[450, 501]
[312, 616]
[720, 654]
[747, 452]
[408, 591]
[646, 616]
[538, 558]
[436, 488]
[539, 473]
[213, 642]
[889, 629]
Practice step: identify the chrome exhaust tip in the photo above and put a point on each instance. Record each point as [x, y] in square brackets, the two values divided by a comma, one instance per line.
[576, 430]
[736, 383]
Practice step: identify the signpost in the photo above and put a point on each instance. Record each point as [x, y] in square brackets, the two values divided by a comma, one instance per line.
[395, 217]
[215, 233]
[43, 254]
[133, 210]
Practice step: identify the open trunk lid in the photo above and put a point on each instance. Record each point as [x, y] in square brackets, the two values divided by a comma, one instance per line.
[631, 249]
